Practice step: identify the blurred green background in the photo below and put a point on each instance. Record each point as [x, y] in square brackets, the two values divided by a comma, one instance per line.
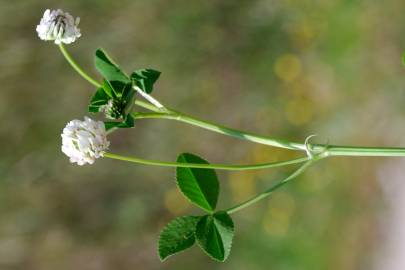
[282, 68]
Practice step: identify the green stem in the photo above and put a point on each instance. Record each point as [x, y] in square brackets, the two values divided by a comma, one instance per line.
[361, 151]
[147, 106]
[269, 191]
[327, 150]
[206, 166]
[76, 67]
[173, 115]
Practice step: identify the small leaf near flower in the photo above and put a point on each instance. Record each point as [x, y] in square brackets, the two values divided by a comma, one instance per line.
[127, 123]
[128, 97]
[108, 89]
[108, 69]
[99, 99]
[119, 88]
[123, 98]
[214, 235]
[145, 78]
[177, 236]
[200, 186]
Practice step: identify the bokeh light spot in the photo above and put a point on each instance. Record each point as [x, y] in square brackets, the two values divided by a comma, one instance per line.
[175, 202]
[242, 184]
[276, 221]
[288, 67]
[299, 111]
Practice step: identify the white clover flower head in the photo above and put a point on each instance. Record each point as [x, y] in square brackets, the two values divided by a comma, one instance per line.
[84, 141]
[58, 26]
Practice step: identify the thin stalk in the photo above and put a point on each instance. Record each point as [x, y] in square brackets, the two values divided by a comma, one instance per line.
[206, 166]
[147, 106]
[76, 67]
[327, 150]
[361, 151]
[172, 115]
[269, 191]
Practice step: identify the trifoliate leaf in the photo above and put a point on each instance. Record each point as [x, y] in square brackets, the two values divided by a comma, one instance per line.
[214, 235]
[200, 186]
[177, 236]
[145, 78]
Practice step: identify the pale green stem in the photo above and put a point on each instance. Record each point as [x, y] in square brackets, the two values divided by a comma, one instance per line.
[147, 106]
[361, 151]
[172, 115]
[76, 67]
[269, 191]
[327, 150]
[206, 166]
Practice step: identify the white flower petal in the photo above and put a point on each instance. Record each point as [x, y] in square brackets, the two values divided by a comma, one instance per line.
[58, 26]
[84, 141]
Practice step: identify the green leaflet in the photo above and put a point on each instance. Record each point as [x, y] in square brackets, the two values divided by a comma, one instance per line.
[99, 99]
[108, 89]
[145, 78]
[200, 186]
[177, 236]
[214, 235]
[108, 69]
[127, 123]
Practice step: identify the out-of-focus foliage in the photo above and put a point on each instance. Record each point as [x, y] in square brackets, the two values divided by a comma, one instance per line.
[282, 68]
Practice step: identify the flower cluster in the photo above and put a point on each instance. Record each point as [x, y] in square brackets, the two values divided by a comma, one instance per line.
[84, 141]
[58, 26]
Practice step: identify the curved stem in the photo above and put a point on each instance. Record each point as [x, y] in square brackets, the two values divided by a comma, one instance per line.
[327, 150]
[76, 67]
[269, 191]
[206, 166]
[173, 115]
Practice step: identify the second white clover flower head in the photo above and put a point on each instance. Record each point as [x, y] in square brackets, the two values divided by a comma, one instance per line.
[84, 141]
[58, 26]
